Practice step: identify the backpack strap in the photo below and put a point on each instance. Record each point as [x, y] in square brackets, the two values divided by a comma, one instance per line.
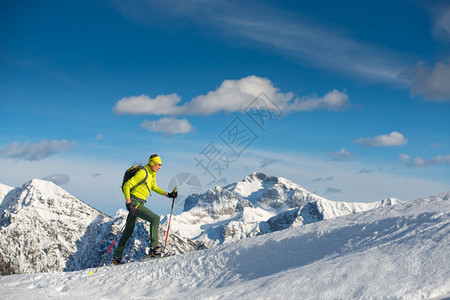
[142, 181]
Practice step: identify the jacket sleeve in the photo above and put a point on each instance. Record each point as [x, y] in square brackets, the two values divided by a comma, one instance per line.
[138, 177]
[157, 189]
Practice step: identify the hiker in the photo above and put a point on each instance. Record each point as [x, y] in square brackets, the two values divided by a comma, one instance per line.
[136, 191]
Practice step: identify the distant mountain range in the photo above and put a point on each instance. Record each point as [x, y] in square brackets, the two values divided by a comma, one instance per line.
[257, 205]
[44, 228]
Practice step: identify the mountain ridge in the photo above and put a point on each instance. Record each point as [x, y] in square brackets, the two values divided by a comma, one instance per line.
[258, 204]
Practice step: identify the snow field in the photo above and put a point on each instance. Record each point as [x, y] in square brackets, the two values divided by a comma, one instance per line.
[397, 252]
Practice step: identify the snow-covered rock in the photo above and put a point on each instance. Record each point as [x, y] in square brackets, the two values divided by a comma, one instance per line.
[258, 204]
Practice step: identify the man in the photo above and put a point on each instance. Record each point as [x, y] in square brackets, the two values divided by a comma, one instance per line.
[136, 191]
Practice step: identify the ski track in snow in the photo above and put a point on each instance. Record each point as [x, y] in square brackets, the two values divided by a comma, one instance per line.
[397, 252]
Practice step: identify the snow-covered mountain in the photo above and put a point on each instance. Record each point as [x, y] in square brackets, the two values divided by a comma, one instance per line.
[44, 228]
[258, 204]
[392, 252]
[4, 190]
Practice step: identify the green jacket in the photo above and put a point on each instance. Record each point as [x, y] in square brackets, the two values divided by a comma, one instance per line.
[141, 191]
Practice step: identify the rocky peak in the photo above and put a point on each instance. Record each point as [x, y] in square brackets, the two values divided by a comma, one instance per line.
[258, 204]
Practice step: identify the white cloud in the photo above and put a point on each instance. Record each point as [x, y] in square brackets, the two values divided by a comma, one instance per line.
[334, 101]
[320, 179]
[232, 96]
[364, 171]
[341, 155]
[144, 105]
[36, 151]
[432, 84]
[168, 126]
[441, 27]
[236, 95]
[394, 138]
[267, 162]
[332, 190]
[58, 179]
[420, 162]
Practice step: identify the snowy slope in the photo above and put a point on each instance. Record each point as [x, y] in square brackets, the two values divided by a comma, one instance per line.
[258, 204]
[4, 189]
[392, 252]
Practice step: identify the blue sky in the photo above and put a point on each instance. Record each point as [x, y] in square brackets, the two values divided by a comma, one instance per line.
[348, 99]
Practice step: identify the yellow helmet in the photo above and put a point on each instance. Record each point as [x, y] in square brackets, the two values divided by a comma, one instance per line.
[154, 160]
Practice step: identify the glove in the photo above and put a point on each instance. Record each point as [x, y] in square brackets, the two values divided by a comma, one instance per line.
[172, 194]
[131, 208]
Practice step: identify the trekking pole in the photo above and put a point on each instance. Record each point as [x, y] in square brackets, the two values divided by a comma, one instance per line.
[170, 218]
[110, 247]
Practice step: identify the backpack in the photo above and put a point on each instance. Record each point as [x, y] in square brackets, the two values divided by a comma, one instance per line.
[131, 172]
